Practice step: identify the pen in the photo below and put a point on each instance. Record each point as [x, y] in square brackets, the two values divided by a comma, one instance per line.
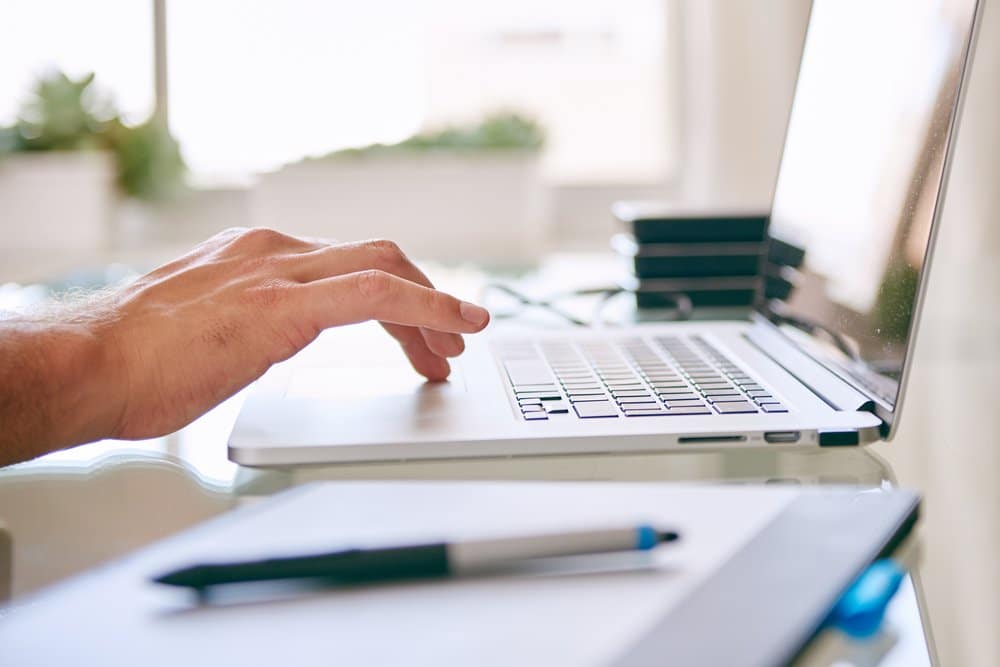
[442, 559]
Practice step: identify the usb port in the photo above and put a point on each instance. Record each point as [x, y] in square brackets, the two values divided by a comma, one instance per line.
[782, 436]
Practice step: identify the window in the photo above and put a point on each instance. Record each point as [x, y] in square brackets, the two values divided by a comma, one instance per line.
[254, 85]
[595, 73]
[113, 38]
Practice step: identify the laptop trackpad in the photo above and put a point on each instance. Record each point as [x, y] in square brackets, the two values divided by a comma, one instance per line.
[359, 387]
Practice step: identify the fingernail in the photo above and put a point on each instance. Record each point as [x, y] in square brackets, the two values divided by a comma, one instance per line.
[473, 313]
[457, 345]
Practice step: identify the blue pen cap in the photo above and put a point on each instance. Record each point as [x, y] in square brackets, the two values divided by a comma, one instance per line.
[860, 612]
[646, 538]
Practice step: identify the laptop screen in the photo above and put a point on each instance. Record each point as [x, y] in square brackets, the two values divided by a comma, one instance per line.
[861, 175]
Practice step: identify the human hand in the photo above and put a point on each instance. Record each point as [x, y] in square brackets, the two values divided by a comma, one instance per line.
[195, 331]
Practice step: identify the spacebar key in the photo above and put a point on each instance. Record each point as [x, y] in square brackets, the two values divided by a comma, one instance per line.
[593, 409]
[528, 372]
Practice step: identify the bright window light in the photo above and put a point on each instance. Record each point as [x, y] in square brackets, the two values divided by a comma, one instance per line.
[254, 85]
[113, 38]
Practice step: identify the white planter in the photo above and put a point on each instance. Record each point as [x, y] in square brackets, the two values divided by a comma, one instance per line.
[448, 207]
[55, 202]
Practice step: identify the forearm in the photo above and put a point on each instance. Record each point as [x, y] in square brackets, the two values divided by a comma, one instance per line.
[53, 387]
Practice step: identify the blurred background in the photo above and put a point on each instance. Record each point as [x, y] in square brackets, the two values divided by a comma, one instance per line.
[487, 134]
[161, 123]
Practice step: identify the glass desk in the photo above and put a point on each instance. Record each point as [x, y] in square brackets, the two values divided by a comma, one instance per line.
[73, 510]
[67, 514]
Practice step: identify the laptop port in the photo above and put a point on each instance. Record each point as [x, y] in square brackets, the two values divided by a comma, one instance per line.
[782, 436]
[709, 439]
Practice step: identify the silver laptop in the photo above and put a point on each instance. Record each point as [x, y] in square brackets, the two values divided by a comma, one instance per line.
[860, 188]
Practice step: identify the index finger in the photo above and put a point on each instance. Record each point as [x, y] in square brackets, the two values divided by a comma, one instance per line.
[378, 295]
[327, 261]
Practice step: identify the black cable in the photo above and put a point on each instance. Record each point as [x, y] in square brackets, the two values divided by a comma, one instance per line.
[682, 302]
[544, 304]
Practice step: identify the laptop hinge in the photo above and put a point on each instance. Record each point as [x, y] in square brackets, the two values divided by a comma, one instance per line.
[828, 386]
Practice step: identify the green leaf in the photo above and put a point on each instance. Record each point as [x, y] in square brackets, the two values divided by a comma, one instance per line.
[73, 114]
[502, 131]
[64, 114]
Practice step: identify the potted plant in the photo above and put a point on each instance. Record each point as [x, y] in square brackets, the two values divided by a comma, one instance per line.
[67, 164]
[454, 194]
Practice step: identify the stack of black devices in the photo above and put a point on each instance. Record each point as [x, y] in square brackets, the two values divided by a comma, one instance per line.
[711, 260]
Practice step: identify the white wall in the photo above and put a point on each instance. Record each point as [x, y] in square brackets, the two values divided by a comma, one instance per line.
[948, 446]
[739, 61]
[736, 65]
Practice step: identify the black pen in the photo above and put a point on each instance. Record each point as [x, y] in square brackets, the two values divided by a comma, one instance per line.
[441, 559]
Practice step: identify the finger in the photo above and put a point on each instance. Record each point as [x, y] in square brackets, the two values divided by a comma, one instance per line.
[379, 254]
[379, 295]
[432, 366]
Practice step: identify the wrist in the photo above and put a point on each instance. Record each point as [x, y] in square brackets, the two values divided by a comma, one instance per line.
[56, 391]
[83, 361]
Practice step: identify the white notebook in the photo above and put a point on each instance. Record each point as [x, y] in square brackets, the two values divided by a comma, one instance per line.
[580, 611]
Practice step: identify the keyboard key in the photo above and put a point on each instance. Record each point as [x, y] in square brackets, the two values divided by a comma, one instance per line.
[623, 382]
[588, 398]
[675, 384]
[709, 387]
[646, 413]
[690, 410]
[677, 395]
[596, 409]
[689, 403]
[556, 407]
[773, 407]
[581, 386]
[528, 371]
[532, 408]
[758, 393]
[721, 392]
[630, 393]
[663, 379]
[534, 387]
[730, 398]
[637, 402]
[652, 371]
[536, 416]
[737, 407]
[529, 401]
[543, 395]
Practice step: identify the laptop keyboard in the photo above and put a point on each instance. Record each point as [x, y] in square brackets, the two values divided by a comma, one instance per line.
[673, 376]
